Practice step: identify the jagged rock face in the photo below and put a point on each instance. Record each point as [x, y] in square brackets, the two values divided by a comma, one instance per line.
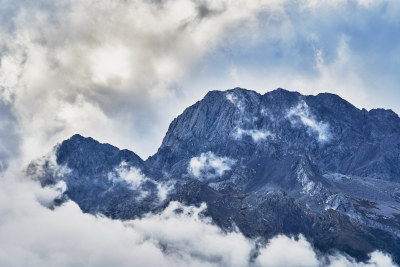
[89, 157]
[243, 125]
[274, 163]
[99, 177]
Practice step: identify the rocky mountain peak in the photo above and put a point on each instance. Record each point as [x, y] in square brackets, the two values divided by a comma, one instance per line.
[275, 163]
[89, 156]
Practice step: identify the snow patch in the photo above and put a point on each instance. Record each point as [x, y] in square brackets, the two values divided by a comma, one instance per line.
[208, 166]
[337, 177]
[255, 134]
[267, 113]
[338, 202]
[302, 114]
[235, 100]
[309, 187]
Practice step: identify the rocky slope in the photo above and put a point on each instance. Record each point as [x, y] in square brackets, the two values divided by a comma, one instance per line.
[274, 163]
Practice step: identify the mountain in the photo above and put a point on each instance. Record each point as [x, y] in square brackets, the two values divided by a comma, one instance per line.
[275, 163]
[99, 177]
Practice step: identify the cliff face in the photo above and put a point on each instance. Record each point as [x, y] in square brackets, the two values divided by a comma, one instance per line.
[243, 125]
[275, 163]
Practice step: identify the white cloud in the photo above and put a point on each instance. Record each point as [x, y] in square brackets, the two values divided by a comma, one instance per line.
[110, 65]
[92, 66]
[95, 66]
[164, 189]
[37, 236]
[33, 235]
[300, 253]
[208, 166]
[267, 113]
[301, 113]
[71, 238]
[48, 194]
[128, 174]
[47, 165]
[236, 101]
[256, 134]
[135, 178]
[197, 237]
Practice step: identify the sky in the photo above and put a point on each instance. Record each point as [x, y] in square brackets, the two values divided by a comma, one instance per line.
[120, 71]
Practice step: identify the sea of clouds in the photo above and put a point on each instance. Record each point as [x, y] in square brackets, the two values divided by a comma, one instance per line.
[36, 233]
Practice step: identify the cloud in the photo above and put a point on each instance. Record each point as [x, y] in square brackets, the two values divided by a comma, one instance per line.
[9, 139]
[302, 114]
[180, 235]
[131, 176]
[136, 180]
[343, 47]
[236, 101]
[255, 134]
[301, 253]
[128, 174]
[115, 70]
[51, 194]
[37, 236]
[209, 166]
[92, 66]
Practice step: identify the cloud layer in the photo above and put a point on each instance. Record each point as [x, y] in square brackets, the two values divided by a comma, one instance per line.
[34, 235]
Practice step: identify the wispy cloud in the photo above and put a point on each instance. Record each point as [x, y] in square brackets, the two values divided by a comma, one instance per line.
[46, 167]
[301, 114]
[208, 166]
[256, 134]
[136, 180]
[236, 101]
[91, 66]
[55, 72]
[129, 175]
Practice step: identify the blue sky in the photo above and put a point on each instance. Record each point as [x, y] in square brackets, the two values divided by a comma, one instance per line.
[367, 35]
[120, 71]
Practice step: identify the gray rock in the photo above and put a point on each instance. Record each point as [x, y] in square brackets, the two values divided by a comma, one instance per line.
[314, 165]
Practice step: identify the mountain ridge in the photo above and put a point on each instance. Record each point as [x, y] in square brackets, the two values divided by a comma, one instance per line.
[275, 163]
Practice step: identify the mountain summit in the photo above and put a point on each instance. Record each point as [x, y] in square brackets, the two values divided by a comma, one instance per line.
[275, 163]
[243, 124]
